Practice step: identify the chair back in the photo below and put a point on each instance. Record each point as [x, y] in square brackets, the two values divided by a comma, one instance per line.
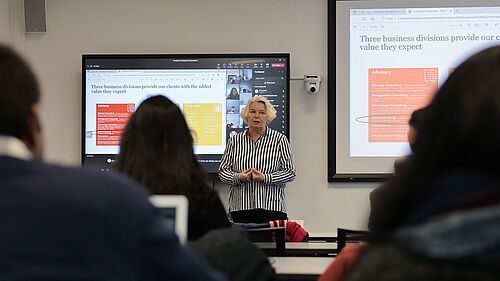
[270, 234]
[345, 236]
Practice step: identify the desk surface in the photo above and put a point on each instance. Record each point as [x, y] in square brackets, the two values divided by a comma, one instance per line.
[300, 265]
[322, 234]
[299, 245]
[303, 249]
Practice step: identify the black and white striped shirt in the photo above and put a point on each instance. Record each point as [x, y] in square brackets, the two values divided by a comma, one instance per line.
[271, 155]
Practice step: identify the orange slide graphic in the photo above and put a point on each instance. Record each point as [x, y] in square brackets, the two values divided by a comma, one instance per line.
[111, 121]
[394, 93]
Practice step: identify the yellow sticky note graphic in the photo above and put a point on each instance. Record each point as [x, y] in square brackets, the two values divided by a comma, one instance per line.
[205, 119]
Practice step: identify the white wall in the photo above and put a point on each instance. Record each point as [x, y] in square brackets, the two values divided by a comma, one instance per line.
[195, 26]
[4, 22]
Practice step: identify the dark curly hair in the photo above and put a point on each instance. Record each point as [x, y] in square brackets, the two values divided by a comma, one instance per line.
[458, 130]
[157, 150]
[19, 91]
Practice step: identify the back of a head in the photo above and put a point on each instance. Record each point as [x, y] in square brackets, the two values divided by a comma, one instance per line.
[460, 128]
[223, 249]
[159, 123]
[457, 131]
[18, 93]
[157, 147]
[416, 117]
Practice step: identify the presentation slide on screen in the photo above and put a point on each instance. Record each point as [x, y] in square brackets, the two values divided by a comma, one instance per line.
[113, 95]
[394, 93]
[398, 58]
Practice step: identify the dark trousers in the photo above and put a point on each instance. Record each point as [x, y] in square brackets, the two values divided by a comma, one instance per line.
[257, 216]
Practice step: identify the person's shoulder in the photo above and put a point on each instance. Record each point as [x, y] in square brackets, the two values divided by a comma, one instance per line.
[239, 135]
[272, 131]
[89, 182]
[79, 192]
[276, 134]
[242, 133]
[389, 259]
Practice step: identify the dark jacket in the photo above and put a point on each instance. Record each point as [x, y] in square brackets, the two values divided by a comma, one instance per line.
[61, 223]
[231, 251]
[211, 215]
[392, 263]
[453, 234]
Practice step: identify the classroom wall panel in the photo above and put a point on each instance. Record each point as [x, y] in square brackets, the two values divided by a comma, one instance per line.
[197, 26]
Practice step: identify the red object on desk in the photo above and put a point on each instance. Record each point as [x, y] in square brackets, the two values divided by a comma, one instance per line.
[343, 263]
[294, 232]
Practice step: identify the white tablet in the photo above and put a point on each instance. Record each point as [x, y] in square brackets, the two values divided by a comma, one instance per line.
[175, 210]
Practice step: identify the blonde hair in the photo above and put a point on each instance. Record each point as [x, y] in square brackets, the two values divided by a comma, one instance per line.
[270, 111]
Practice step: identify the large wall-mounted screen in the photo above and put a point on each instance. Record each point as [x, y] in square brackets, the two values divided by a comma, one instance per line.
[388, 58]
[210, 90]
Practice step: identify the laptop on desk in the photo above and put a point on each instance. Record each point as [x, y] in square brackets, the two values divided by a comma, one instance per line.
[175, 210]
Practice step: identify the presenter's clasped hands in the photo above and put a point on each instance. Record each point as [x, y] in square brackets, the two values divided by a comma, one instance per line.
[251, 174]
[246, 175]
[257, 175]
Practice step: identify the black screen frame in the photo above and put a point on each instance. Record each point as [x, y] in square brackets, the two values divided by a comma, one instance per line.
[333, 175]
[86, 57]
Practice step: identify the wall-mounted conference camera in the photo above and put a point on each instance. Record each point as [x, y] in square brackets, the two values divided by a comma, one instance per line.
[312, 83]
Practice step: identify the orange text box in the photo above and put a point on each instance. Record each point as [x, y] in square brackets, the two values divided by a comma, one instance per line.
[394, 93]
[111, 120]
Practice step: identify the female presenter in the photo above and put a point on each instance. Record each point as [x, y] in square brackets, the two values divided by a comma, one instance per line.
[257, 163]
